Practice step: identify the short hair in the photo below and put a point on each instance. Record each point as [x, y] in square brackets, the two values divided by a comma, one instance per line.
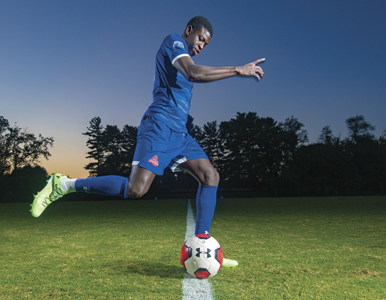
[198, 22]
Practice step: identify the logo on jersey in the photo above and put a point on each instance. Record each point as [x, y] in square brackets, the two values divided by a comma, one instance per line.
[178, 44]
[154, 161]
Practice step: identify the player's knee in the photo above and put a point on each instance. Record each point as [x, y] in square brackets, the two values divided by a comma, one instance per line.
[136, 191]
[216, 177]
[211, 177]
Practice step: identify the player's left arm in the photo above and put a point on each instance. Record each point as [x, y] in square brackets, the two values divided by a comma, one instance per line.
[199, 73]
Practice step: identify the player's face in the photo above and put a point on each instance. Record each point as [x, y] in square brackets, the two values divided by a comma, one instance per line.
[197, 40]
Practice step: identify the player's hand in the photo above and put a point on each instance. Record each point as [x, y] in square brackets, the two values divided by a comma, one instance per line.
[251, 69]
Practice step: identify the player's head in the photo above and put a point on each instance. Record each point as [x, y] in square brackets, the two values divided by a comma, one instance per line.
[198, 22]
[197, 34]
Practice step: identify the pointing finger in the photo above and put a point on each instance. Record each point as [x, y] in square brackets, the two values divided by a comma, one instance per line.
[259, 60]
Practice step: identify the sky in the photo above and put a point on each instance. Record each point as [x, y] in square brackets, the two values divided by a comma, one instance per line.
[64, 62]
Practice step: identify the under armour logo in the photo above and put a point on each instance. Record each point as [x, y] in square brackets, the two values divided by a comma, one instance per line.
[154, 161]
[203, 252]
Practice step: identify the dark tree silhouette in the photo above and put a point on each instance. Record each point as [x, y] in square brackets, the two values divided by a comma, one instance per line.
[94, 143]
[111, 149]
[19, 148]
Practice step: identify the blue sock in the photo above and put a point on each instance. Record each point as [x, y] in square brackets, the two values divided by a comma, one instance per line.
[105, 185]
[205, 205]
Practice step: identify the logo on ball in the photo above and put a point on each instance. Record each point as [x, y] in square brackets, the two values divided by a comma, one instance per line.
[201, 256]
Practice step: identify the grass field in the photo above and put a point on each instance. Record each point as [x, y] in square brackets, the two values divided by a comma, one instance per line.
[287, 248]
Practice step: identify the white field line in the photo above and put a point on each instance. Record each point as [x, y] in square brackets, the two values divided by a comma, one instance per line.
[194, 288]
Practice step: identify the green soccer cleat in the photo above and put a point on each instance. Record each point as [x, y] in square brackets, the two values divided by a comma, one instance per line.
[229, 263]
[51, 192]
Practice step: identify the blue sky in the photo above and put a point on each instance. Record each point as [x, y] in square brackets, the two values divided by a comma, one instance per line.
[64, 62]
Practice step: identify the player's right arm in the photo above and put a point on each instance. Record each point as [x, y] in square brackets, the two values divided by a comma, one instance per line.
[199, 73]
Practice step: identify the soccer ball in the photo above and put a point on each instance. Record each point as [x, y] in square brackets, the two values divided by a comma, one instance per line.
[201, 256]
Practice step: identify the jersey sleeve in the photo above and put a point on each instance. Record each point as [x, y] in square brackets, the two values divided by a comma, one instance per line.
[175, 48]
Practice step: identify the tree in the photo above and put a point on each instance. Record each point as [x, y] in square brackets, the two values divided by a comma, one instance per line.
[254, 150]
[294, 136]
[20, 148]
[213, 145]
[321, 170]
[33, 178]
[4, 124]
[353, 166]
[364, 150]
[358, 127]
[111, 148]
[129, 142]
[94, 143]
[382, 177]
[4, 166]
[326, 137]
[382, 139]
[193, 130]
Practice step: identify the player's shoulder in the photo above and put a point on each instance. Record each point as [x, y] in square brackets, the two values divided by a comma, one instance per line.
[174, 41]
[174, 37]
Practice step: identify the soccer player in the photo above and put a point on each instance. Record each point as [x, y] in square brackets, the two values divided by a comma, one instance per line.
[163, 140]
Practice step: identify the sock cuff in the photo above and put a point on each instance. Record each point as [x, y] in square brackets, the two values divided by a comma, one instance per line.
[204, 186]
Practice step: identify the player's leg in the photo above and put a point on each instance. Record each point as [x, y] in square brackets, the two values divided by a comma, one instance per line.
[140, 181]
[145, 167]
[59, 185]
[135, 186]
[193, 160]
[208, 178]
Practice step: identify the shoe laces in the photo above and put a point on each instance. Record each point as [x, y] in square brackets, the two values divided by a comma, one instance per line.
[56, 194]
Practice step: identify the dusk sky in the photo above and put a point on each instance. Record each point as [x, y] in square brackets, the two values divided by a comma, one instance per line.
[64, 62]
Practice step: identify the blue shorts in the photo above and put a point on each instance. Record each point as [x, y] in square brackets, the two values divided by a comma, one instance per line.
[158, 147]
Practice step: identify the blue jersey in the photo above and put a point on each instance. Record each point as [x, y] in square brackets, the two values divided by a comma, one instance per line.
[171, 92]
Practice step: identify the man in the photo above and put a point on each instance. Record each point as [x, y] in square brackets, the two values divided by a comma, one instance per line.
[163, 140]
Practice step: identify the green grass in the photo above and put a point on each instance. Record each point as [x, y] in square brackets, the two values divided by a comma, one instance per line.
[287, 248]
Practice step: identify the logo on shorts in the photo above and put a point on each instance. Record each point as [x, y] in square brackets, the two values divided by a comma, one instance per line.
[154, 161]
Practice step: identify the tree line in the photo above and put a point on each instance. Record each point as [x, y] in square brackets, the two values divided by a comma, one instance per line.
[259, 156]
[255, 156]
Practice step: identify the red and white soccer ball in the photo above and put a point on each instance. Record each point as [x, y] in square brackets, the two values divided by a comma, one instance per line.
[201, 256]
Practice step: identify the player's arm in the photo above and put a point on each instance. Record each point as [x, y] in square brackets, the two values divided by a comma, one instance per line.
[198, 73]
